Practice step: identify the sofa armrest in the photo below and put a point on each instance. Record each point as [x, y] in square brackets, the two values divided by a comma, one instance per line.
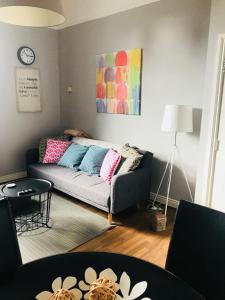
[129, 188]
[32, 156]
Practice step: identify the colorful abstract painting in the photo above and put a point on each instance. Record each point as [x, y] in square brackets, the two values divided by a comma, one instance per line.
[118, 82]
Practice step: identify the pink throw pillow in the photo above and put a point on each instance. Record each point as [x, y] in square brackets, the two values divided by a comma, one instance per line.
[109, 165]
[55, 150]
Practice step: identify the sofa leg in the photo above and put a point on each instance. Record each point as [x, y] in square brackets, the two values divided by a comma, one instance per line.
[110, 218]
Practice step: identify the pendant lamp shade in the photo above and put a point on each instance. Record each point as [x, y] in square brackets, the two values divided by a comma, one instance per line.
[33, 13]
[177, 118]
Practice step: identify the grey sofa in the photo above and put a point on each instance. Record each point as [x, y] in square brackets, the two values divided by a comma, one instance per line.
[126, 190]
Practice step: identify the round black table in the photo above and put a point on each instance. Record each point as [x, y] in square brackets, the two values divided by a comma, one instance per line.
[30, 201]
[136, 278]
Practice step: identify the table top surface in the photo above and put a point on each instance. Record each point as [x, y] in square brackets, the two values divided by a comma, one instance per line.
[136, 279]
[38, 186]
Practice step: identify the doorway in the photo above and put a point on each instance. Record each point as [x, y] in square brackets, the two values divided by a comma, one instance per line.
[216, 173]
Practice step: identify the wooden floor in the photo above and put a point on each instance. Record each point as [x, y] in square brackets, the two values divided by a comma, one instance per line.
[133, 236]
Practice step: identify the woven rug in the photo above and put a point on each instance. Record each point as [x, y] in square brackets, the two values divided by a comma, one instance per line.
[71, 226]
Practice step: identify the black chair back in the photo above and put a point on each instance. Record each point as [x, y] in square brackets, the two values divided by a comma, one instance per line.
[10, 257]
[197, 249]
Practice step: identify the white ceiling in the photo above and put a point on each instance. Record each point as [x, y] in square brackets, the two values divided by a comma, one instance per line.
[79, 11]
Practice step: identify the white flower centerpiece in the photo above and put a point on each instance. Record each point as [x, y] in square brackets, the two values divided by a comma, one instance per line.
[124, 289]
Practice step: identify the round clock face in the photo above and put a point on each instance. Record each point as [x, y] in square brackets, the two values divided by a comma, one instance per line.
[26, 55]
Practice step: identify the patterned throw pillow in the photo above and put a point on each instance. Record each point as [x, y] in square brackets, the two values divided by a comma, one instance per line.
[109, 165]
[55, 150]
[132, 159]
[43, 144]
[73, 156]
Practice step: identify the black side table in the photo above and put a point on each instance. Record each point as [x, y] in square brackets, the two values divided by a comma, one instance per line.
[30, 201]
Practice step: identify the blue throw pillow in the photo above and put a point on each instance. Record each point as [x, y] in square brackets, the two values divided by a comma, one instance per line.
[93, 160]
[73, 156]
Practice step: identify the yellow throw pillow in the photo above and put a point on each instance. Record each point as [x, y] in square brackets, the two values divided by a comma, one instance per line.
[76, 133]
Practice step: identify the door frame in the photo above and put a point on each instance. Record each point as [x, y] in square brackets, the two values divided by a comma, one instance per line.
[216, 114]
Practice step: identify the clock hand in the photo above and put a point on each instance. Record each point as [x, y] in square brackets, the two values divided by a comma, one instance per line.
[28, 54]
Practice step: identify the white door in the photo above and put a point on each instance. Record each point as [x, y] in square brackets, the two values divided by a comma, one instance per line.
[218, 191]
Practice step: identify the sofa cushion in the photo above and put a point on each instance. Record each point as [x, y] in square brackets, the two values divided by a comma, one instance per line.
[54, 151]
[43, 144]
[109, 165]
[73, 156]
[92, 142]
[132, 159]
[93, 159]
[90, 189]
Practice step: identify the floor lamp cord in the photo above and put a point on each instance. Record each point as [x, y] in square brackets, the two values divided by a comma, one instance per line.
[184, 173]
[169, 182]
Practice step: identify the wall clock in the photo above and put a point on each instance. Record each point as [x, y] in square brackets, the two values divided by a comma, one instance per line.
[26, 55]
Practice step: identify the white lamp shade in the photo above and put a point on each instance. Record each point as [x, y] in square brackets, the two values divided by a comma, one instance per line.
[178, 118]
[34, 13]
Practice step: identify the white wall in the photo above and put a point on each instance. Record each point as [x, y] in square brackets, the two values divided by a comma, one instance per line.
[20, 131]
[173, 35]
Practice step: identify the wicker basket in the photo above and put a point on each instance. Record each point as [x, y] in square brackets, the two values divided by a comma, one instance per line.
[158, 221]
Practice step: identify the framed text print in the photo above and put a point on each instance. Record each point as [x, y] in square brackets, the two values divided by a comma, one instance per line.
[118, 82]
[28, 90]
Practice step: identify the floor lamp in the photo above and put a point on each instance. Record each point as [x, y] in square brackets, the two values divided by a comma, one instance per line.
[177, 118]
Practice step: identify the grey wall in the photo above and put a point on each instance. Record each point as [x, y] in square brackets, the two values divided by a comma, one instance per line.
[173, 35]
[20, 131]
[217, 26]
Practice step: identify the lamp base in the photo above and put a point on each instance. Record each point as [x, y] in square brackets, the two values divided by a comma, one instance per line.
[153, 206]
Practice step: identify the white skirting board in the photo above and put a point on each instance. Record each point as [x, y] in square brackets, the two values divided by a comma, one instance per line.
[13, 176]
[162, 199]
